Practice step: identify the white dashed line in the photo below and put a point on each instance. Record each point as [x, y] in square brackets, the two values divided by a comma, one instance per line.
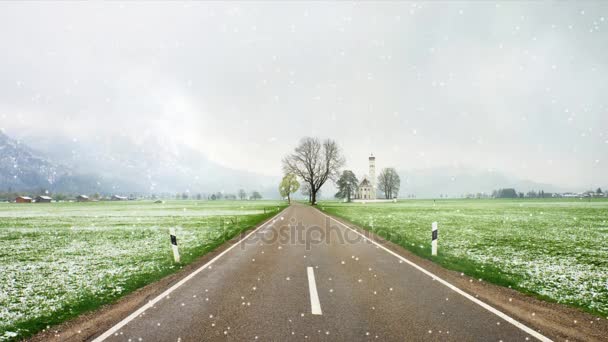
[315, 304]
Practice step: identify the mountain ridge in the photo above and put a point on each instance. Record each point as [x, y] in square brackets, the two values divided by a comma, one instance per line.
[118, 165]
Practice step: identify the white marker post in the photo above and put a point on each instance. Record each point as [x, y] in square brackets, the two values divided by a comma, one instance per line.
[174, 244]
[434, 233]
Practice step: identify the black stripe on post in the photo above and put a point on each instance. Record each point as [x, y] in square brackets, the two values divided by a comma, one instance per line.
[435, 234]
[173, 240]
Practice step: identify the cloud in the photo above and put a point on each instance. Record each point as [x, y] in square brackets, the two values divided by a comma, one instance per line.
[518, 87]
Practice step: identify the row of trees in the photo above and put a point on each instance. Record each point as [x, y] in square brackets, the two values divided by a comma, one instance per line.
[505, 193]
[315, 162]
[511, 193]
[242, 195]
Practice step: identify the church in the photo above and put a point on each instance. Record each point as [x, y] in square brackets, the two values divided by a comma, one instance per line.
[367, 186]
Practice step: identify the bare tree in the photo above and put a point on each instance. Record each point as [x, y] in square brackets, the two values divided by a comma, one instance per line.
[242, 194]
[314, 162]
[389, 182]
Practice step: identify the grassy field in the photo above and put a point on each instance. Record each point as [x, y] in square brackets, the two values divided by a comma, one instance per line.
[61, 259]
[555, 249]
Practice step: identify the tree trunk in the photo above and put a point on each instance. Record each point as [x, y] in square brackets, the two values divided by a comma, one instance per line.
[288, 199]
[313, 200]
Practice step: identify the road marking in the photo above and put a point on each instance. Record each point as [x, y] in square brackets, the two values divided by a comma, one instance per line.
[315, 304]
[486, 306]
[151, 303]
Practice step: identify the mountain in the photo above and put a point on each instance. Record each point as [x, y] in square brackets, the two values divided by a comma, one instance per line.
[22, 168]
[25, 169]
[125, 165]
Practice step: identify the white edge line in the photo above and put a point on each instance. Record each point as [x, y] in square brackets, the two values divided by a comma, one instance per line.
[151, 303]
[315, 304]
[486, 306]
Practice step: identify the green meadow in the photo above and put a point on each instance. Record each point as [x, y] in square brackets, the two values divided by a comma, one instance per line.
[555, 249]
[62, 259]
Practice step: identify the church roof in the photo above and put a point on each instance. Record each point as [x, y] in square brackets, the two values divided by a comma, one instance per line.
[364, 182]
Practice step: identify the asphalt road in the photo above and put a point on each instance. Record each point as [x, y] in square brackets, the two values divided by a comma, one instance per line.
[280, 283]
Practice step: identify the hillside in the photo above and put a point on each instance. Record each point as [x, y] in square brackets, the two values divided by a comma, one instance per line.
[118, 165]
[24, 169]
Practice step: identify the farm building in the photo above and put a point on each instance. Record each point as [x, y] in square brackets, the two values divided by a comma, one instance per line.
[23, 199]
[82, 198]
[43, 199]
[118, 198]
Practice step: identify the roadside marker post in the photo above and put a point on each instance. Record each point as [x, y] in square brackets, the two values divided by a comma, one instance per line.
[174, 244]
[434, 234]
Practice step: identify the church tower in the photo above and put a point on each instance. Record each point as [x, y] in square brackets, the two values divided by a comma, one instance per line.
[372, 174]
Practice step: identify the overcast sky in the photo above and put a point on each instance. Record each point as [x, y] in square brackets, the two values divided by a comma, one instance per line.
[517, 87]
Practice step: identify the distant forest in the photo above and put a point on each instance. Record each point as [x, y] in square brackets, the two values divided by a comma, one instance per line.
[512, 193]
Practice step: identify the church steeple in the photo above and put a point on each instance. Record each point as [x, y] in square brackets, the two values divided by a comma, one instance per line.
[372, 174]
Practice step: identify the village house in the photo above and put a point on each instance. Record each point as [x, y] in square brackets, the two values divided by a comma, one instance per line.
[82, 198]
[23, 199]
[43, 199]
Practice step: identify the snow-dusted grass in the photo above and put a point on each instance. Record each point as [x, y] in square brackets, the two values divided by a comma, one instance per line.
[60, 259]
[556, 249]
